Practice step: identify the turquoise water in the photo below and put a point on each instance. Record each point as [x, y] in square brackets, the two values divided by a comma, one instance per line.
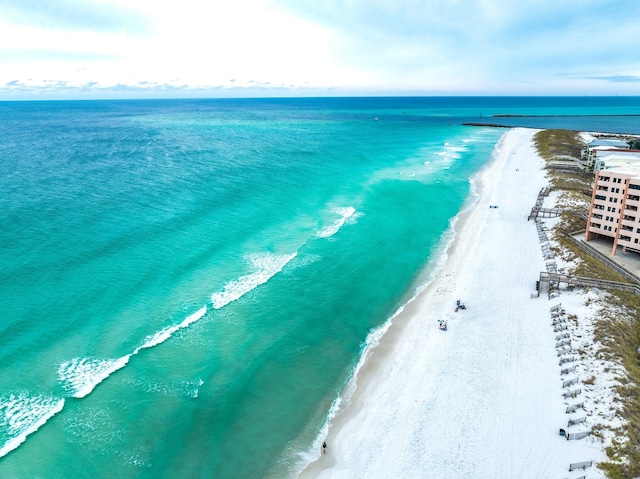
[187, 286]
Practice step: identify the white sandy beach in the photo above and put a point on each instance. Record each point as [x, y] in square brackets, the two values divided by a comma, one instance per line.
[485, 398]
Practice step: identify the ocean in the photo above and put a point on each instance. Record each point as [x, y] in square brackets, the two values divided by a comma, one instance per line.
[189, 286]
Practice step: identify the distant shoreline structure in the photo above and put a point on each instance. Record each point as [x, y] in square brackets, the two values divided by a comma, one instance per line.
[491, 125]
[601, 130]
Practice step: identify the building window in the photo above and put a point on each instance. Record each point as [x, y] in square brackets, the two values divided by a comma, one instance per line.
[601, 197]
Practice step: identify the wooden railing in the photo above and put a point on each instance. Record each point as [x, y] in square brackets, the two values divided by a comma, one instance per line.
[546, 279]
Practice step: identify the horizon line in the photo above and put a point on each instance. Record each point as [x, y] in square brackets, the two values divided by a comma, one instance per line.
[302, 97]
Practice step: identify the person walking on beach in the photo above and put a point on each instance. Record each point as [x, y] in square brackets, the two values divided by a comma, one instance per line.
[324, 447]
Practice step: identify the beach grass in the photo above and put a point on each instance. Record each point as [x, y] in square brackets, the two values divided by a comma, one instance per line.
[618, 328]
[552, 144]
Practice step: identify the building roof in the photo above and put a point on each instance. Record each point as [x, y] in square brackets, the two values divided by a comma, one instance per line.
[623, 166]
[608, 142]
[606, 152]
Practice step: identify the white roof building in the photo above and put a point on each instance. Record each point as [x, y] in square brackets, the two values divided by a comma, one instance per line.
[608, 159]
[602, 144]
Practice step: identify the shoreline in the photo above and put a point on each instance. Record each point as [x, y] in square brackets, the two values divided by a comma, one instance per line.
[376, 361]
[486, 381]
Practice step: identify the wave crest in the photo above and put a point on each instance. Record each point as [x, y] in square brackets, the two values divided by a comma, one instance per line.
[80, 376]
[23, 414]
[345, 213]
[267, 266]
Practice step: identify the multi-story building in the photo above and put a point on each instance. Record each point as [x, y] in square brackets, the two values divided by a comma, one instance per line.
[615, 206]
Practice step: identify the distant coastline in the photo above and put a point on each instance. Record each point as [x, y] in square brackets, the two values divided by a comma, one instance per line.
[491, 125]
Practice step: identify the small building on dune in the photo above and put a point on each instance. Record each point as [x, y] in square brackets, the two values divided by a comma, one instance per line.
[601, 144]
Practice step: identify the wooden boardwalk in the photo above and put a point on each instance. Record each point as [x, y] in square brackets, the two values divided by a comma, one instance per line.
[544, 212]
[549, 279]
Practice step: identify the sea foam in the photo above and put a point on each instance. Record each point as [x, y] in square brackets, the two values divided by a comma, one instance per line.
[332, 229]
[165, 333]
[22, 414]
[80, 376]
[266, 265]
[343, 400]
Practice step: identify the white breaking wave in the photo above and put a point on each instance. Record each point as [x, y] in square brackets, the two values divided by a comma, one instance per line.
[22, 414]
[452, 152]
[80, 376]
[157, 338]
[192, 318]
[267, 266]
[332, 229]
[164, 334]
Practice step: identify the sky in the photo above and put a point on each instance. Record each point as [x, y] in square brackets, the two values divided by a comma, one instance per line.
[249, 48]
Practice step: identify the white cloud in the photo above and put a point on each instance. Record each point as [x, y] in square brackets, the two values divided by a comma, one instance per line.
[481, 46]
[413, 46]
[193, 43]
